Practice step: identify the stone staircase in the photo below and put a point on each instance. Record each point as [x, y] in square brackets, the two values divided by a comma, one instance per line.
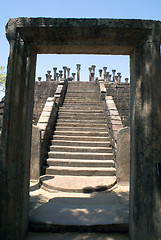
[80, 158]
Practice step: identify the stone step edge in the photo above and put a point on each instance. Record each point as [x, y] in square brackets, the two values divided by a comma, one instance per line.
[80, 153]
[85, 142]
[77, 147]
[84, 136]
[88, 187]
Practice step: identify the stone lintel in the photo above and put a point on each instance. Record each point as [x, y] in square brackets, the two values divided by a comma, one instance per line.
[129, 32]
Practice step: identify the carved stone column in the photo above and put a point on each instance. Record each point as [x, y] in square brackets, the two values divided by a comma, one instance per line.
[119, 77]
[104, 74]
[90, 69]
[68, 72]
[55, 76]
[39, 81]
[100, 73]
[65, 70]
[126, 80]
[116, 79]
[113, 71]
[107, 77]
[78, 72]
[92, 77]
[60, 74]
[73, 74]
[48, 76]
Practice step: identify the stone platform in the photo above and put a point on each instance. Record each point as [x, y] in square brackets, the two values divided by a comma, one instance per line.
[105, 211]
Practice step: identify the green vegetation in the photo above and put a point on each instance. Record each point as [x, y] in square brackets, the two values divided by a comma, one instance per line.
[2, 78]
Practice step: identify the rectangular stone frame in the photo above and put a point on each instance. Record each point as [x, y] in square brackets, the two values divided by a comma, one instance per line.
[138, 38]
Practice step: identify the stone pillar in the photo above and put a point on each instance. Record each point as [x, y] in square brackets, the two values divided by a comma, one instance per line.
[55, 76]
[68, 72]
[100, 73]
[119, 77]
[73, 74]
[78, 72]
[109, 77]
[90, 70]
[126, 80]
[113, 71]
[48, 76]
[93, 68]
[65, 70]
[39, 81]
[116, 79]
[92, 77]
[104, 74]
[145, 187]
[60, 74]
[16, 139]
[93, 71]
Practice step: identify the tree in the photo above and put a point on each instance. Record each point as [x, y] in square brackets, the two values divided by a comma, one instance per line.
[2, 78]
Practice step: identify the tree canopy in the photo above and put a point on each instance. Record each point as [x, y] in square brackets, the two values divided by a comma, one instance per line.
[2, 78]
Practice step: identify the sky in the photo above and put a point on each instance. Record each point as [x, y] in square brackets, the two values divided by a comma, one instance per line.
[123, 9]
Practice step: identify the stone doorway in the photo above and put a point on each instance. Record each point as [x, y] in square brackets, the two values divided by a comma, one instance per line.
[138, 38]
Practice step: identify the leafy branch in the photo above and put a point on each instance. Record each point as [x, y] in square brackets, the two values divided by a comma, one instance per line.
[2, 78]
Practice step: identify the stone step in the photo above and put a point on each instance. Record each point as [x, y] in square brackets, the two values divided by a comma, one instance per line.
[81, 138]
[77, 113]
[81, 171]
[80, 155]
[80, 163]
[82, 95]
[80, 111]
[83, 92]
[82, 102]
[81, 108]
[77, 124]
[80, 143]
[82, 105]
[81, 133]
[80, 149]
[81, 117]
[73, 128]
[77, 183]
[82, 121]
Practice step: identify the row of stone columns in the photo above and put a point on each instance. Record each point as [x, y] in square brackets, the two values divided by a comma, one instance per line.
[62, 74]
[111, 77]
[65, 74]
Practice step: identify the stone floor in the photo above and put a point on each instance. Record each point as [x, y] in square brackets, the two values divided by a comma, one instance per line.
[74, 211]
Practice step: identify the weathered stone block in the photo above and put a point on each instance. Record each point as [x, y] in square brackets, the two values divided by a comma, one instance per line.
[35, 154]
[123, 155]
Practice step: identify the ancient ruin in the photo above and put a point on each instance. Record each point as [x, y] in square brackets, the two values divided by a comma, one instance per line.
[141, 39]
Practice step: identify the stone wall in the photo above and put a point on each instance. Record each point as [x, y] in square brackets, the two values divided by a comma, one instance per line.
[43, 90]
[121, 97]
